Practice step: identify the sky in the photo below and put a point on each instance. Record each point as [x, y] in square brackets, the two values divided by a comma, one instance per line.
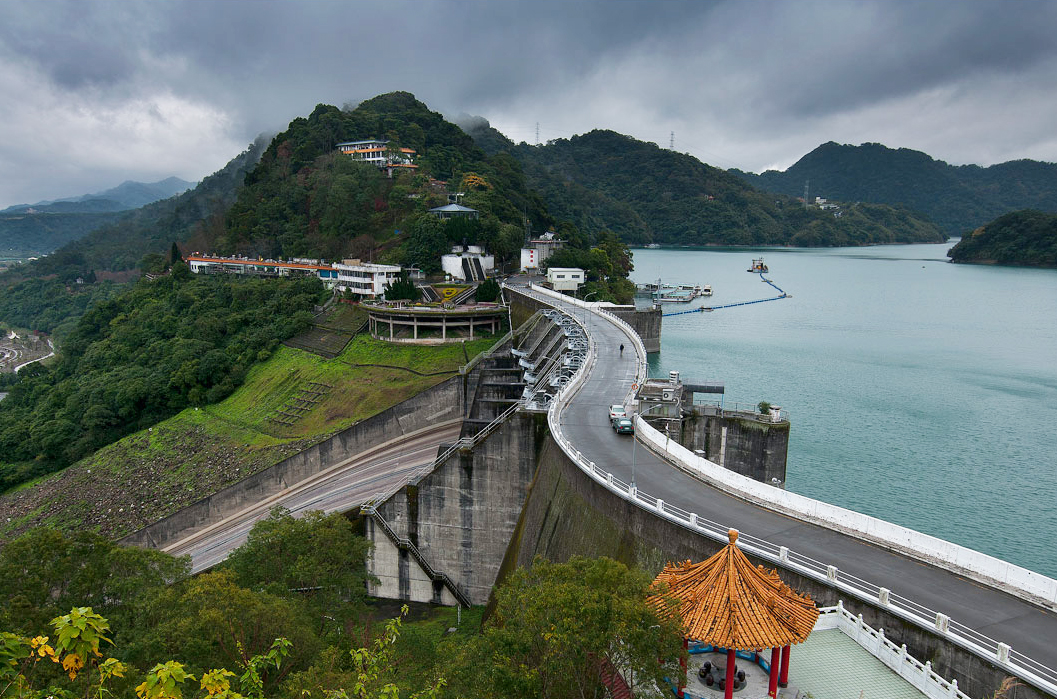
[95, 93]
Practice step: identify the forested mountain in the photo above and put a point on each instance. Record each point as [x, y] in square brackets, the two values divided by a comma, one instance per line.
[1027, 238]
[24, 235]
[307, 200]
[119, 245]
[127, 195]
[603, 180]
[29, 230]
[958, 198]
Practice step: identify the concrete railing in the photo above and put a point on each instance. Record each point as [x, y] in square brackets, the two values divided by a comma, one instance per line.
[960, 635]
[919, 674]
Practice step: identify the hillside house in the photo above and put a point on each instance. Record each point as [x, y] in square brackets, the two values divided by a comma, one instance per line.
[379, 154]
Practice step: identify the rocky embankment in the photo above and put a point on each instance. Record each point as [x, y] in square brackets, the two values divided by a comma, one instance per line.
[132, 483]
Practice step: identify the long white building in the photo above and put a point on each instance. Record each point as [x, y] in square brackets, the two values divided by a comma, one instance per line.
[365, 279]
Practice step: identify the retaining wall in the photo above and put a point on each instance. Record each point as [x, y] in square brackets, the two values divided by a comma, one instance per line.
[444, 402]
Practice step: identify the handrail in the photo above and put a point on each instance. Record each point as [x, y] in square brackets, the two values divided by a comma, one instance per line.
[409, 546]
[993, 651]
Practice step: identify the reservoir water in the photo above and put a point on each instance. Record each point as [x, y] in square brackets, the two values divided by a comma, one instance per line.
[920, 392]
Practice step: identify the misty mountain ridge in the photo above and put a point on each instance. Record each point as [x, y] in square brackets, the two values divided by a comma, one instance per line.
[127, 195]
[958, 198]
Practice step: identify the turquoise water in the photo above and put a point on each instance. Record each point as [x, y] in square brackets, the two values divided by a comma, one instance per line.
[921, 392]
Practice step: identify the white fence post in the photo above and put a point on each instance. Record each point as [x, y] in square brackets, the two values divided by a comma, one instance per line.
[831, 572]
[1003, 652]
[943, 622]
[693, 519]
[660, 505]
[954, 689]
[783, 555]
[882, 596]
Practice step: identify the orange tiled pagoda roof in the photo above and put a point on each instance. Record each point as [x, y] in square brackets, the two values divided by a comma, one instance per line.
[729, 603]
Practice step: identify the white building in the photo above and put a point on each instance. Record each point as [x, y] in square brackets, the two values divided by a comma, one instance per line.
[565, 278]
[469, 264]
[365, 279]
[538, 250]
[379, 154]
[209, 264]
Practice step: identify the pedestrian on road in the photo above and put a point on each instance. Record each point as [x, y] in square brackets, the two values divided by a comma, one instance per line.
[621, 349]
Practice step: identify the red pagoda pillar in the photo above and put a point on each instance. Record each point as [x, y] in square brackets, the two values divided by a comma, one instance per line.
[772, 681]
[783, 677]
[682, 664]
[728, 691]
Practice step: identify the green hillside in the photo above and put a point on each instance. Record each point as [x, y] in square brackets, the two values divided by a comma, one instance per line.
[157, 470]
[958, 198]
[1026, 238]
[305, 199]
[141, 357]
[603, 180]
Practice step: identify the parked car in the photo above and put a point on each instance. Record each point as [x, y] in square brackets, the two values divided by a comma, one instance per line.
[624, 426]
[616, 411]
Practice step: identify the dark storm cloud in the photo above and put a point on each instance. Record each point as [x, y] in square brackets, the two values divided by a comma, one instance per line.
[151, 89]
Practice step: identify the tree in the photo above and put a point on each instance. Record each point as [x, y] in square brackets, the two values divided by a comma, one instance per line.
[174, 254]
[487, 291]
[402, 288]
[316, 558]
[559, 627]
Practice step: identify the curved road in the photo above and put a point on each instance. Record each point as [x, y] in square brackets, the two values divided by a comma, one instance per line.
[1027, 628]
[339, 488]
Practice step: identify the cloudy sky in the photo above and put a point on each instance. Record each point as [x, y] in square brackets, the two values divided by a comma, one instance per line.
[98, 92]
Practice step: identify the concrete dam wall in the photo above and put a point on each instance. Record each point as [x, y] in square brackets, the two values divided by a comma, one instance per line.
[444, 402]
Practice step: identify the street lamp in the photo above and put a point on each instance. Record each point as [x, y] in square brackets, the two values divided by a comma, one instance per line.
[593, 293]
[635, 438]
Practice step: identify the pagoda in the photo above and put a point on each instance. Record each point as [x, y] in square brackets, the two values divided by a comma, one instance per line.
[730, 604]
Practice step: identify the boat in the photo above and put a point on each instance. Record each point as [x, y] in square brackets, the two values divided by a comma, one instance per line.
[706, 290]
[653, 246]
[758, 266]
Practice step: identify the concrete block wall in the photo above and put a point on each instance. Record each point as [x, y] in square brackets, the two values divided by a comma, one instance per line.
[647, 323]
[398, 573]
[461, 517]
[739, 443]
[442, 403]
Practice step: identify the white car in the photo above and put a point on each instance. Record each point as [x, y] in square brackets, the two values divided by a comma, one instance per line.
[616, 412]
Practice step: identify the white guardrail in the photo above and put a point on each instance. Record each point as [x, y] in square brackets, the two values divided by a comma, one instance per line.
[1019, 581]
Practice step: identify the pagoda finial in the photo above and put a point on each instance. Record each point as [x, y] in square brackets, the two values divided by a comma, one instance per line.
[732, 534]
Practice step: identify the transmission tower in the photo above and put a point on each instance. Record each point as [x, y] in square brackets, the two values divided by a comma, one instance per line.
[671, 141]
[537, 133]
[807, 184]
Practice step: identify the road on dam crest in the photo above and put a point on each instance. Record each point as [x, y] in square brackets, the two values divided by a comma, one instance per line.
[1027, 628]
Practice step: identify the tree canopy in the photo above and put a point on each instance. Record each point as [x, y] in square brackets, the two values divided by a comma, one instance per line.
[1027, 238]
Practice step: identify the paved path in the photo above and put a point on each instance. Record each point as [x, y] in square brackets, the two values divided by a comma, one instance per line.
[1027, 628]
[338, 489]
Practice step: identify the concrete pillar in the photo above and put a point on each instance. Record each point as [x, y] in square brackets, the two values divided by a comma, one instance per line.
[772, 681]
[443, 328]
[415, 331]
[471, 327]
[728, 690]
[783, 674]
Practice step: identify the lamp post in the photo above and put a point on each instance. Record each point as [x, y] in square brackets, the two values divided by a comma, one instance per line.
[586, 322]
[635, 438]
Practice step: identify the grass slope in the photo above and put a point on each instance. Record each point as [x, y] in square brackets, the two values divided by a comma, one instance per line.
[155, 472]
